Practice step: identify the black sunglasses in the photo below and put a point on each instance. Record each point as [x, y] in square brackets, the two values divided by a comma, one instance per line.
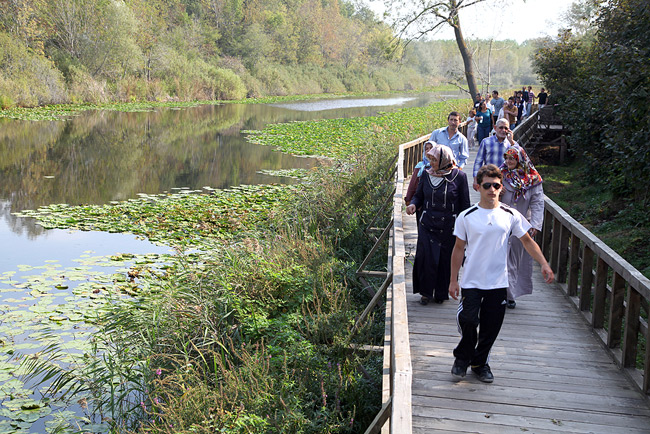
[487, 185]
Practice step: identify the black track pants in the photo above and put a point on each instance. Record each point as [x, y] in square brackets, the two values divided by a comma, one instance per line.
[479, 307]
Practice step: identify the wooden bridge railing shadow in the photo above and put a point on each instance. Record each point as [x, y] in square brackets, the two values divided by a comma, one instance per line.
[611, 294]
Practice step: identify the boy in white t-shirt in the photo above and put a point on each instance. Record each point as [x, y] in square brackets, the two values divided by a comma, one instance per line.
[482, 233]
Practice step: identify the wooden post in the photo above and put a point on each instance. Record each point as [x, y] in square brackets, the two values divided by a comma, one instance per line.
[587, 278]
[631, 336]
[565, 234]
[646, 362]
[600, 295]
[547, 233]
[562, 149]
[555, 244]
[616, 311]
[574, 266]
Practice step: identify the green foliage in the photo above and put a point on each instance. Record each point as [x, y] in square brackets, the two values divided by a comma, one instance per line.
[341, 138]
[623, 225]
[194, 50]
[26, 78]
[603, 92]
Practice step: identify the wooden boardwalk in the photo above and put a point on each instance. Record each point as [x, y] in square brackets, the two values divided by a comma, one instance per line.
[551, 373]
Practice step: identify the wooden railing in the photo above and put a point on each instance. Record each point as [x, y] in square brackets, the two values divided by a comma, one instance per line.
[525, 130]
[610, 293]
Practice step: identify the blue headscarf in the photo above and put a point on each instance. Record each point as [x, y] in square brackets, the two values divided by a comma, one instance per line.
[425, 161]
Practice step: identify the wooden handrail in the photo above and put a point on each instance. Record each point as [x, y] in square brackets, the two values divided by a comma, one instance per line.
[609, 292]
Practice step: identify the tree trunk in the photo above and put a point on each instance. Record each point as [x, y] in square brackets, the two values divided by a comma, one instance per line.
[465, 54]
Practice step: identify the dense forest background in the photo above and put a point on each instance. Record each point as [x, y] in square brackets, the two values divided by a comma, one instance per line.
[58, 51]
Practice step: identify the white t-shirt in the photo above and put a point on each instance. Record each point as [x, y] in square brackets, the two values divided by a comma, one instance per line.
[486, 232]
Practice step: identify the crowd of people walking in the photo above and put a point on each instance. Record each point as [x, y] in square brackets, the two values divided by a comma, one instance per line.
[492, 240]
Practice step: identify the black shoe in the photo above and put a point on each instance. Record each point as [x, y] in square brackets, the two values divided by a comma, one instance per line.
[459, 369]
[439, 300]
[424, 300]
[511, 304]
[484, 373]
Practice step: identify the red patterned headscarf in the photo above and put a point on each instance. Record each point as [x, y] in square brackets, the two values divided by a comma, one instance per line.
[522, 177]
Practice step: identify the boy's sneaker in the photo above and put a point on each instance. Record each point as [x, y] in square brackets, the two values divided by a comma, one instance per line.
[459, 369]
[484, 373]
[511, 304]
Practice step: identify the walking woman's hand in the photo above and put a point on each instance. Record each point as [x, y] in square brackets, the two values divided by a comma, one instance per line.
[547, 273]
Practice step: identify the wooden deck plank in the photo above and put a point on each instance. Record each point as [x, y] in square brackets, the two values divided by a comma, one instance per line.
[603, 419]
[552, 375]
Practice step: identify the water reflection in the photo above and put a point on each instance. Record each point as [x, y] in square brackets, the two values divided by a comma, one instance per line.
[102, 156]
[344, 103]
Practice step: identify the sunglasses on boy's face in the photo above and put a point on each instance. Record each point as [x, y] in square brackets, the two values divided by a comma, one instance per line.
[487, 185]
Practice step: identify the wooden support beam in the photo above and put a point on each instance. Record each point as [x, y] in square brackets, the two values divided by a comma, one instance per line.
[600, 295]
[631, 334]
[616, 311]
[565, 236]
[373, 303]
[587, 279]
[381, 418]
[574, 266]
[555, 245]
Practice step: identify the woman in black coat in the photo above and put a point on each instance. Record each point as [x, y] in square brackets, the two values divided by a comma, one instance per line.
[442, 194]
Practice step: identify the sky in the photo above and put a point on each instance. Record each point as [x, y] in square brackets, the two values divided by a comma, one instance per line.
[511, 19]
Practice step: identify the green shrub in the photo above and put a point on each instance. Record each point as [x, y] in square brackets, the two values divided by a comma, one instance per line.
[84, 88]
[6, 102]
[227, 85]
[28, 79]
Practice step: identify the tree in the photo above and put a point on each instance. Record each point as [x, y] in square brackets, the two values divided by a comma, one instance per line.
[613, 137]
[430, 15]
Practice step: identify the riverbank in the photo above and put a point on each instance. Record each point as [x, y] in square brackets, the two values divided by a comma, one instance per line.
[61, 111]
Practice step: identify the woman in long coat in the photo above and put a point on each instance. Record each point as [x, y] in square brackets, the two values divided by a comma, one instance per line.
[522, 190]
[442, 194]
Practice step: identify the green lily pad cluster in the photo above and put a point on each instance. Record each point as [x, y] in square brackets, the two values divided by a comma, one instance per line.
[342, 138]
[182, 219]
[286, 173]
[51, 306]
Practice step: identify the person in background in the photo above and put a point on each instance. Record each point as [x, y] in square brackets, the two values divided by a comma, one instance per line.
[477, 100]
[531, 100]
[484, 122]
[488, 103]
[471, 129]
[524, 95]
[541, 98]
[416, 176]
[452, 138]
[497, 103]
[510, 112]
[521, 109]
[492, 149]
[482, 233]
[522, 190]
[442, 194]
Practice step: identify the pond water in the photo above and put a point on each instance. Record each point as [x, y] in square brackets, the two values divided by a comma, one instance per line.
[104, 156]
